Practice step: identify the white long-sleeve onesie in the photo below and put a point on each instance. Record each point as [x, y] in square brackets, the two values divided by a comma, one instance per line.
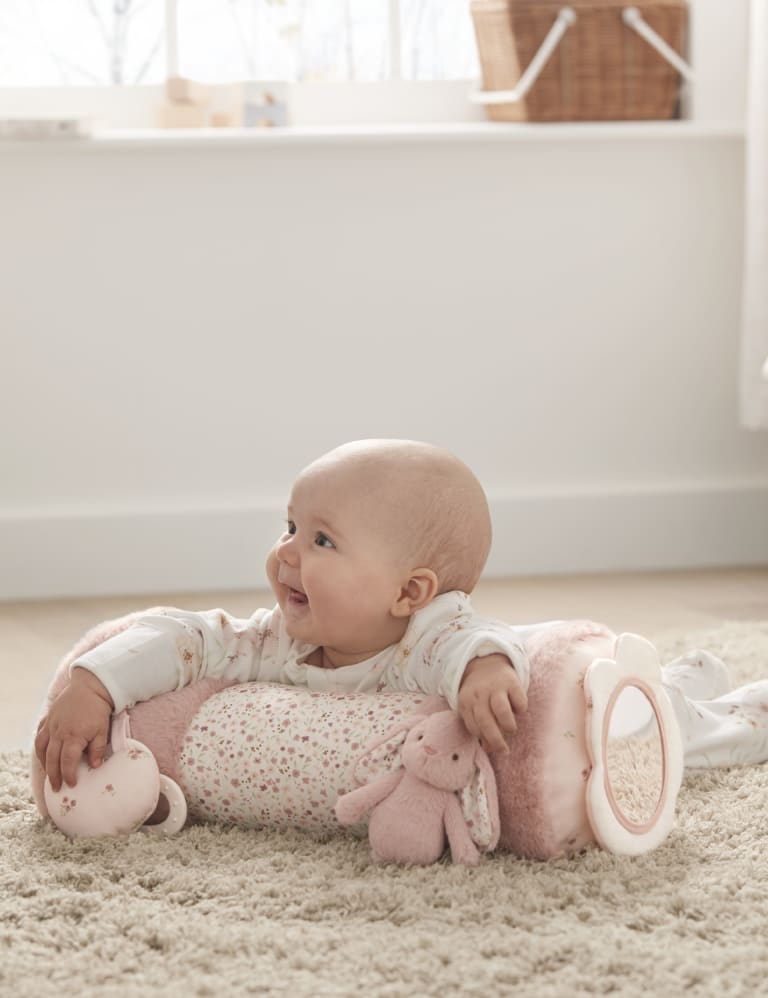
[165, 651]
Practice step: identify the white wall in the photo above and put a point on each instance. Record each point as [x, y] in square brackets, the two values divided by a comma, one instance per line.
[718, 34]
[185, 324]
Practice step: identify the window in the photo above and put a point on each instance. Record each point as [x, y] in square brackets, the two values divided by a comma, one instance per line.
[48, 43]
[51, 43]
[381, 61]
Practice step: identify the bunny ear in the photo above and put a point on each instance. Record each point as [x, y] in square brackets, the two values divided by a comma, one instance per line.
[390, 742]
[480, 804]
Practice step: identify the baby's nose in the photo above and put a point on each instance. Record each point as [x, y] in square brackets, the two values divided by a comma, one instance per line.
[429, 750]
[286, 550]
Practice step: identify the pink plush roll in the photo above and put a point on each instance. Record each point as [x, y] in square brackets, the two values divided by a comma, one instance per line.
[265, 755]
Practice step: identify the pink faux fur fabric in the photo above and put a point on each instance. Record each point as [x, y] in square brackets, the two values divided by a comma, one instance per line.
[541, 783]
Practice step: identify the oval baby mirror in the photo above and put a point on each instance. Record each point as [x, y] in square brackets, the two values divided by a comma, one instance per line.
[634, 758]
[635, 749]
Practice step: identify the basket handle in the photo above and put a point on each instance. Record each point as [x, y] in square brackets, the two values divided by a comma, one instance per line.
[632, 17]
[567, 16]
[564, 20]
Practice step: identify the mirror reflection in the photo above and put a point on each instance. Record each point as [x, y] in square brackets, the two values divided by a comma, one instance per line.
[634, 757]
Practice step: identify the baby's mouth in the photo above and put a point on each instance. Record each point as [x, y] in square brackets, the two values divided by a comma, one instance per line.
[296, 597]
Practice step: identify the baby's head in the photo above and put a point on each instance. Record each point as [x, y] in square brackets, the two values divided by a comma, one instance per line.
[396, 516]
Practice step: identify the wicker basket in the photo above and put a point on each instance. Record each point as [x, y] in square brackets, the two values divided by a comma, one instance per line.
[602, 70]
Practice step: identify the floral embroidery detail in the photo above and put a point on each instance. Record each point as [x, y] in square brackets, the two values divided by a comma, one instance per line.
[66, 805]
[109, 789]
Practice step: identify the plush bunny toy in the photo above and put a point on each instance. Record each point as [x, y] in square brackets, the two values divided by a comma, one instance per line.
[415, 807]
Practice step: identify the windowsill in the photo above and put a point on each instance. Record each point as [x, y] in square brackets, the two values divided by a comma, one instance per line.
[471, 132]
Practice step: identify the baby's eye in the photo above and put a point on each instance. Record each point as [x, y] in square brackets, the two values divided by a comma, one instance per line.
[324, 541]
[291, 527]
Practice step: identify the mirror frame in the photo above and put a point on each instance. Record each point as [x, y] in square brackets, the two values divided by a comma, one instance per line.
[637, 664]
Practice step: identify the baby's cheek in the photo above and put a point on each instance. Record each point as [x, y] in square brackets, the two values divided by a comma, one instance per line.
[272, 568]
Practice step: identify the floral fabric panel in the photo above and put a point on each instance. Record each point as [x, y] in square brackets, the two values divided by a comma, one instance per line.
[266, 755]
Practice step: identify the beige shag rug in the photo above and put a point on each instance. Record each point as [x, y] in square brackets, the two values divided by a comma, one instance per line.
[222, 911]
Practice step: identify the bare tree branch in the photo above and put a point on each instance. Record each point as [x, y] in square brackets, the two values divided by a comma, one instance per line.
[349, 44]
[244, 41]
[62, 62]
[91, 5]
[418, 19]
[144, 68]
[301, 62]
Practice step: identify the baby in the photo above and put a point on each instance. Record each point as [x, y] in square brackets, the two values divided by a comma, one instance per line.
[384, 541]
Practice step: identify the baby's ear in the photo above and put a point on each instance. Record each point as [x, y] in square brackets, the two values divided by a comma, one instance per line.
[418, 591]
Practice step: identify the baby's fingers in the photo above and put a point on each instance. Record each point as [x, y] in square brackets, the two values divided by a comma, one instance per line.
[484, 725]
[53, 762]
[96, 751]
[41, 742]
[503, 712]
[61, 759]
[71, 755]
[517, 696]
[468, 717]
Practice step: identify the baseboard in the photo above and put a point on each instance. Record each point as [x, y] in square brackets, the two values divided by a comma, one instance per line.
[47, 556]
[641, 530]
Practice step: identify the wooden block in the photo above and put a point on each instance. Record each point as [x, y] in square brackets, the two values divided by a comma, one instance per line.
[227, 105]
[182, 116]
[225, 119]
[182, 91]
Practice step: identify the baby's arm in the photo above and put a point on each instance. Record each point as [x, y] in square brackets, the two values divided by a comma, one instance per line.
[165, 651]
[159, 652]
[480, 667]
[77, 721]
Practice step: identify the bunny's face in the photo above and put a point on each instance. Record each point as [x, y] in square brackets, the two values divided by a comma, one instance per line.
[440, 751]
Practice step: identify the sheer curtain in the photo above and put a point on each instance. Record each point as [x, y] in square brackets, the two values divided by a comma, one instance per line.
[754, 352]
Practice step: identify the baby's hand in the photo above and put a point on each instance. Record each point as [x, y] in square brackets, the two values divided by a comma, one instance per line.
[78, 719]
[489, 696]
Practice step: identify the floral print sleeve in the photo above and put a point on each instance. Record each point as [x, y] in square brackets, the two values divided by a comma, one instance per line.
[165, 650]
[442, 639]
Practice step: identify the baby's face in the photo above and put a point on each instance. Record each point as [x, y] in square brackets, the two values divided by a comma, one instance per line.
[336, 571]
